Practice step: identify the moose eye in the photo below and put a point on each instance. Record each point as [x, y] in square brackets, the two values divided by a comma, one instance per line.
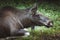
[36, 17]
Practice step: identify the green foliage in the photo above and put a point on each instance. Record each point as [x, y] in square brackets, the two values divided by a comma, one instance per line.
[48, 9]
[52, 11]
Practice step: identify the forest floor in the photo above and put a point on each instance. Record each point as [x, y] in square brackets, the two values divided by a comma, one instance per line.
[52, 11]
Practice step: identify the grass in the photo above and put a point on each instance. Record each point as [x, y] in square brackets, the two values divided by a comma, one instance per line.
[50, 10]
[42, 33]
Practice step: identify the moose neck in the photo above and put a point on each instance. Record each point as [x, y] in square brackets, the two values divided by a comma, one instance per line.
[26, 23]
[25, 19]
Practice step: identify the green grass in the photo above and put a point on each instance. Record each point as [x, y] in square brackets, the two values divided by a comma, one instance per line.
[41, 33]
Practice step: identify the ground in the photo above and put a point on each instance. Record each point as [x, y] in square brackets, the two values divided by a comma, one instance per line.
[50, 10]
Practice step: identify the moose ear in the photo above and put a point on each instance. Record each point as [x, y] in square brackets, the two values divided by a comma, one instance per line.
[34, 9]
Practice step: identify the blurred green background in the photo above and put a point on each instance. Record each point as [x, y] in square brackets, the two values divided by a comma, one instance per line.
[49, 8]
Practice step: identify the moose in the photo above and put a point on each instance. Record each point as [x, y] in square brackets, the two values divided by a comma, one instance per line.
[14, 20]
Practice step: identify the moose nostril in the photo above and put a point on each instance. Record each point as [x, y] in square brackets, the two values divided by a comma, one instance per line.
[50, 23]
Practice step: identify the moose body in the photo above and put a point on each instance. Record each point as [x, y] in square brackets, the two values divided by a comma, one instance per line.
[13, 19]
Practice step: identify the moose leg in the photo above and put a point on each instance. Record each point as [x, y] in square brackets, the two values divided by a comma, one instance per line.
[16, 34]
[21, 32]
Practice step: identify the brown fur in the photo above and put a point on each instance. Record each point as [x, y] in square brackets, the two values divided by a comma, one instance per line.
[13, 19]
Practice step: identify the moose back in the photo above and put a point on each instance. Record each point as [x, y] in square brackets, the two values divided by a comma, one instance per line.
[13, 19]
